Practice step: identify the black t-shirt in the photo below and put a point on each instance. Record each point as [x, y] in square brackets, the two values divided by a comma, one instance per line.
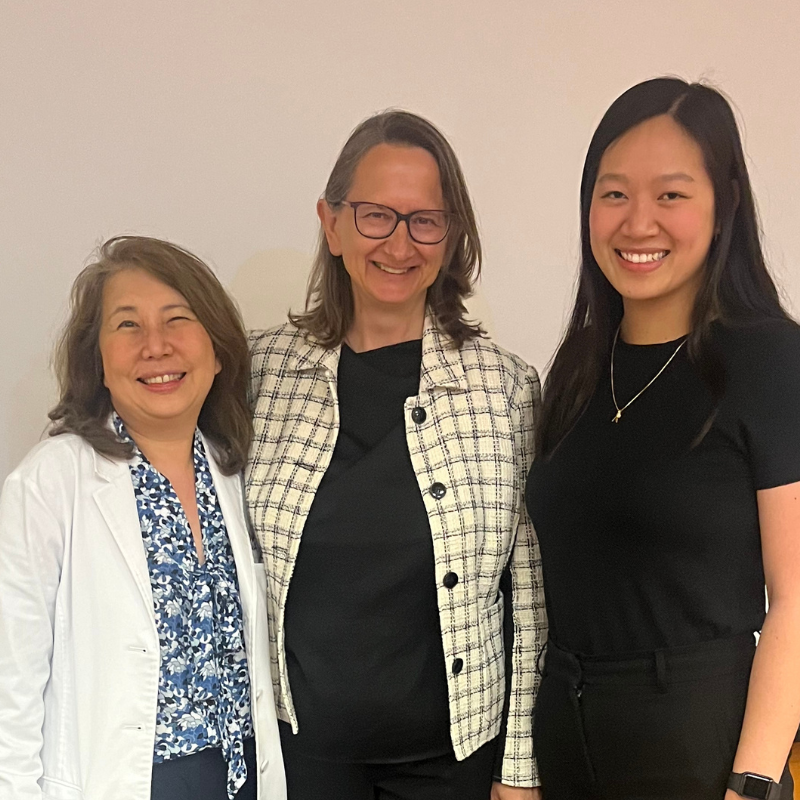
[363, 639]
[648, 542]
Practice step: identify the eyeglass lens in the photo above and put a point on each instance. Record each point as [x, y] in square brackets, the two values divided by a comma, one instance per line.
[378, 222]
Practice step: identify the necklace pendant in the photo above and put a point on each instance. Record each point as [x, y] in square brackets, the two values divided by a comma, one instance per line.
[617, 416]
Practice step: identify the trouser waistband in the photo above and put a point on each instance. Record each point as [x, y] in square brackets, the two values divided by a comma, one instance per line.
[661, 667]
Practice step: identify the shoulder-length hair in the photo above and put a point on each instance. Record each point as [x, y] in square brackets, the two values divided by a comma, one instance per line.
[736, 284]
[329, 308]
[84, 403]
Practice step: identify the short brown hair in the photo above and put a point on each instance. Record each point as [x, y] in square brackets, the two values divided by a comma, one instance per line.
[85, 403]
[329, 306]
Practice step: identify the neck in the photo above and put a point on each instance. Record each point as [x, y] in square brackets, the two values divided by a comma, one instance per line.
[653, 322]
[168, 450]
[373, 328]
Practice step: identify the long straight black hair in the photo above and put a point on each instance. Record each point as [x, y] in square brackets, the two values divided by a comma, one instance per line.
[736, 284]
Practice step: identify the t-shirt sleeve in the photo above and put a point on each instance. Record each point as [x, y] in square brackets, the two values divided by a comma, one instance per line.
[766, 380]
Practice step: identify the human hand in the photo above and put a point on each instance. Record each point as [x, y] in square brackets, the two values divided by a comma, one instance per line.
[500, 791]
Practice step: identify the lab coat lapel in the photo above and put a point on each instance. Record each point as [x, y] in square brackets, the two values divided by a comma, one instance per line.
[230, 494]
[117, 504]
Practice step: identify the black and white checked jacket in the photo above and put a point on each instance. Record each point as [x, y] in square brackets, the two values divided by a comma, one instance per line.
[477, 441]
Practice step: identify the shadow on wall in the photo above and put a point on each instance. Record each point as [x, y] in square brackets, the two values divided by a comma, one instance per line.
[272, 282]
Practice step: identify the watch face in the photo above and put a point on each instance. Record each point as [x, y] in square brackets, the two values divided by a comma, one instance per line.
[756, 787]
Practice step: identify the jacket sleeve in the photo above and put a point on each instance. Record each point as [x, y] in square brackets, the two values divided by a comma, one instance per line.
[31, 553]
[518, 766]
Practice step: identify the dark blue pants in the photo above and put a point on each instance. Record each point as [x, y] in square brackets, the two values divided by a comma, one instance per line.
[657, 726]
[203, 776]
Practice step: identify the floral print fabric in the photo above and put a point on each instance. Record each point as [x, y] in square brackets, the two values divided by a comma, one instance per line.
[204, 686]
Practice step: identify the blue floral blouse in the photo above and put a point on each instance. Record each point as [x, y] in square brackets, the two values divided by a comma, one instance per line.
[204, 686]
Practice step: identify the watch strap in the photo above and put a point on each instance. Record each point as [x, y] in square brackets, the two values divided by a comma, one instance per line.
[768, 789]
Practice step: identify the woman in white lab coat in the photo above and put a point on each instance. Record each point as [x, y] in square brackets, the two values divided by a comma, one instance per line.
[133, 639]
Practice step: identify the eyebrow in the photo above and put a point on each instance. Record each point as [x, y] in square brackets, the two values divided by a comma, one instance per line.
[672, 176]
[129, 309]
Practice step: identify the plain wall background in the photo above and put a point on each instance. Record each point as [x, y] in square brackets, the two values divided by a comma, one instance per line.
[216, 124]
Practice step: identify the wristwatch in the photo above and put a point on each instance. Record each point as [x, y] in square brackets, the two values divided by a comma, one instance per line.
[749, 784]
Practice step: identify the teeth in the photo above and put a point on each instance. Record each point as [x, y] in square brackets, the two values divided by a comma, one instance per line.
[175, 376]
[643, 258]
[390, 270]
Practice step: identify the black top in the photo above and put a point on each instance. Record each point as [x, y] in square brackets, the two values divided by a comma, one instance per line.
[648, 542]
[363, 640]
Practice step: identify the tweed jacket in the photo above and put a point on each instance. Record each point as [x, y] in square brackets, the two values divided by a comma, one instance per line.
[471, 454]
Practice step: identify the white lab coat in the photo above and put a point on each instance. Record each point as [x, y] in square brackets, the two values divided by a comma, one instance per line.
[79, 650]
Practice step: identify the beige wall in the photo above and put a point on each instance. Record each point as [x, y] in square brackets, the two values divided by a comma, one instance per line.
[215, 125]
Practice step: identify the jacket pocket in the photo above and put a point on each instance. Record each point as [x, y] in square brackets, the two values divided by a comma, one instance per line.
[492, 619]
[55, 789]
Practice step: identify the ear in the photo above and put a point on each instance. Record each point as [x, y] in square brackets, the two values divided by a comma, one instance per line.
[330, 224]
[217, 366]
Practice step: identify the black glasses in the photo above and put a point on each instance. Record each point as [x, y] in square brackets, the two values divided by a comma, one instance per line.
[379, 222]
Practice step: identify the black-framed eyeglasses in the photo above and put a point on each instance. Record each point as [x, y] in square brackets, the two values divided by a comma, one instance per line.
[428, 226]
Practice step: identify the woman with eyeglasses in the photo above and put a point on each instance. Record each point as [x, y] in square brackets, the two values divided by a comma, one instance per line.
[392, 440]
[666, 486]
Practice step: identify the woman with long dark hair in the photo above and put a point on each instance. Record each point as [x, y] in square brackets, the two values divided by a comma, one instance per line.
[666, 489]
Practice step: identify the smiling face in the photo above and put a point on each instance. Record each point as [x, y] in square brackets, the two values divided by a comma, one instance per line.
[158, 360]
[392, 273]
[651, 220]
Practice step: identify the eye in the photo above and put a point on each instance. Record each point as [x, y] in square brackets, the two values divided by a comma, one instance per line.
[179, 318]
[614, 194]
[672, 196]
[126, 323]
[376, 215]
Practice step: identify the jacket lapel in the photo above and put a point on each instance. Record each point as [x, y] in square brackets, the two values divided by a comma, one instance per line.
[117, 504]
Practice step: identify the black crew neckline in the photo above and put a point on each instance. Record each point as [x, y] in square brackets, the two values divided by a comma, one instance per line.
[672, 343]
[409, 344]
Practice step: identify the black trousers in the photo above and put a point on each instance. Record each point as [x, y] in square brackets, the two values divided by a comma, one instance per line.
[203, 776]
[659, 726]
[440, 778]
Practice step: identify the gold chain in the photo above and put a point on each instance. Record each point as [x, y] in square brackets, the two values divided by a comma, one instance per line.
[618, 416]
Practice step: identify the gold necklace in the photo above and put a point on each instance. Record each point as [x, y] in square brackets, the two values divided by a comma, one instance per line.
[618, 416]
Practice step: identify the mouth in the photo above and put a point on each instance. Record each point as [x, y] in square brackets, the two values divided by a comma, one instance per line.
[160, 380]
[642, 258]
[392, 270]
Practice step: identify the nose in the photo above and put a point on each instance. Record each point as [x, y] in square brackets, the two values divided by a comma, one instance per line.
[640, 221]
[400, 245]
[156, 342]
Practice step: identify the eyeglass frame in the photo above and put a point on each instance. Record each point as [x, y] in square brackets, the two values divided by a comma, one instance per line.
[398, 219]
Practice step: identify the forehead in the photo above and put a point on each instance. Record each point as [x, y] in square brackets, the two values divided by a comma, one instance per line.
[134, 287]
[397, 176]
[655, 147]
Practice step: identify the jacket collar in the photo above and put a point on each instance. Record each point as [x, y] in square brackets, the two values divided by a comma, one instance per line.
[311, 355]
[109, 469]
[442, 366]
